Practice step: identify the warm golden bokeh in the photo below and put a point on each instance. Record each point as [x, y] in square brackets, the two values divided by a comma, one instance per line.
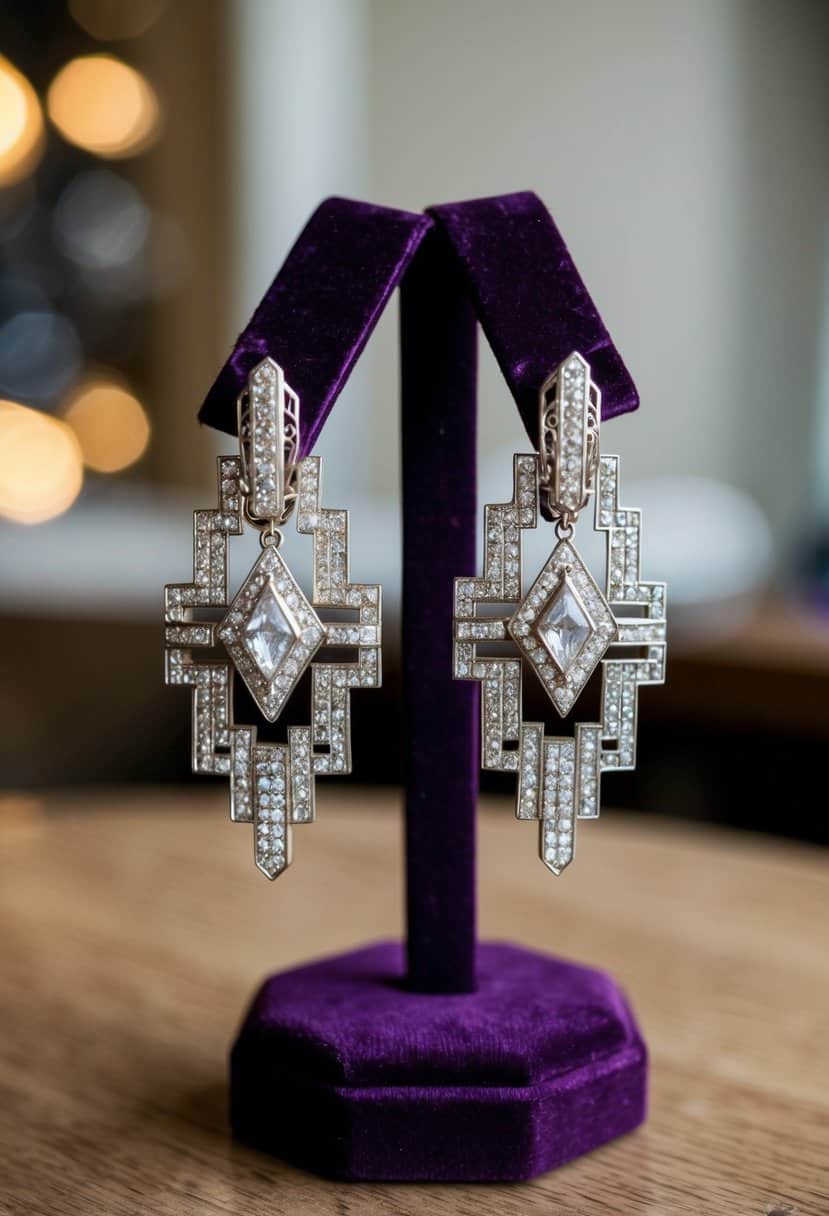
[103, 105]
[21, 125]
[41, 468]
[110, 424]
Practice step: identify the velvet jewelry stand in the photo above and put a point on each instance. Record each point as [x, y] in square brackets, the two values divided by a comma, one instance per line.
[452, 1060]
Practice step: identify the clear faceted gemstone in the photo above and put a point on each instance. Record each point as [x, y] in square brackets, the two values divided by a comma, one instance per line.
[564, 626]
[269, 633]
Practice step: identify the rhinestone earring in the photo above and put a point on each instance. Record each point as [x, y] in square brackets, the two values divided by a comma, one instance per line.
[565, 625]
[271, 630]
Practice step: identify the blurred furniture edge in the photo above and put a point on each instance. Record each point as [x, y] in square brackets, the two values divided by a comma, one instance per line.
[772, 673]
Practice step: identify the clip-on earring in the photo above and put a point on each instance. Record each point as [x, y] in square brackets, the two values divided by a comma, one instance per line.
[271, 630]
[565, 625]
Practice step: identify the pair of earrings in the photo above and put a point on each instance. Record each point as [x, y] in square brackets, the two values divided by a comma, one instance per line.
[563, 627]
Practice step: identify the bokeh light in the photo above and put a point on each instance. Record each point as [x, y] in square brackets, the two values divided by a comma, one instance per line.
[101, 221]
[110, 423]
[103, 105]
[40, 355]
[41, 467]
[21, 125]
[109, 20]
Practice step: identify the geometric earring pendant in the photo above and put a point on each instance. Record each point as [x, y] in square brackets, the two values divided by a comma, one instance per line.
[564, 626]
[272, 632]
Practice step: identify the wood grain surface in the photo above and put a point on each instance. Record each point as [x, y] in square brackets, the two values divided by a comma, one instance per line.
[135, 929]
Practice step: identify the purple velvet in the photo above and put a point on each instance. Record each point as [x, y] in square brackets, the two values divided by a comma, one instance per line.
[530, 299]
[341, 1068]
[438, 366]
[320, 310]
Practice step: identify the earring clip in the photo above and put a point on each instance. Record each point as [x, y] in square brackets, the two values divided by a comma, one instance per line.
[267, 414]
[568, 439]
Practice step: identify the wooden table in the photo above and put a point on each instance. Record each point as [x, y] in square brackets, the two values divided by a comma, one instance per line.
[134, 930]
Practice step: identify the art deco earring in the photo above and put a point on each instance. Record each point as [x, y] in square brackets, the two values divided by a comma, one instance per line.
[565, 625]
[271, 631]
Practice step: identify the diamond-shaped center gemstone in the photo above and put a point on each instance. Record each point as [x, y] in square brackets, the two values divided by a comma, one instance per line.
[269, 632]
[564, 626]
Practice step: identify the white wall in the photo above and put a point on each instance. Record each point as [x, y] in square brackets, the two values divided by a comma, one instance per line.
[680, 145]
[681, 148]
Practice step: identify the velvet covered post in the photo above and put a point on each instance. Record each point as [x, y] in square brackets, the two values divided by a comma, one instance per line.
[438, 420]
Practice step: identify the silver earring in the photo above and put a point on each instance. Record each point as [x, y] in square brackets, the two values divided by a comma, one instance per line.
[565, 625]
[271, 630]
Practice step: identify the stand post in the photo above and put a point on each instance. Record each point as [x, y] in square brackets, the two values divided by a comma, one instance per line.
[438, 396]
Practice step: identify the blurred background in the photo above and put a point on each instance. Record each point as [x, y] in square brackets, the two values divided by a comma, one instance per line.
[158, 158]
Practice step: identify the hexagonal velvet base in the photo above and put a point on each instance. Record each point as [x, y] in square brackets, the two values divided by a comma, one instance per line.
[338, 1068]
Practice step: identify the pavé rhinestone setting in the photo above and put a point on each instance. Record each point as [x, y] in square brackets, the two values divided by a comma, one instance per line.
[566, 625]
[272, 632]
